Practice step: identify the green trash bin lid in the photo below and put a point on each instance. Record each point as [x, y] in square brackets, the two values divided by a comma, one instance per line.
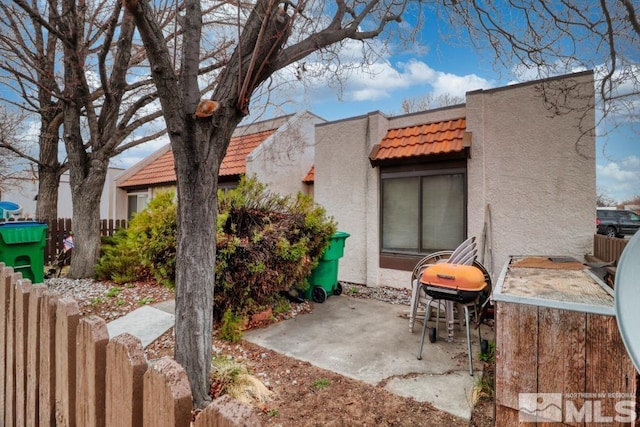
[22, 232]
[335, 248]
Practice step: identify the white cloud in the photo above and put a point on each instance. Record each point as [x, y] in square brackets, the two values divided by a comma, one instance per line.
[620, 180]
[386, 79]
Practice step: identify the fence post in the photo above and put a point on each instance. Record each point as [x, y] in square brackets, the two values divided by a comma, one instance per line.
[6, 274]
[67, 318]
[92, 339]
[22, 293]
[167, 396]
[47, 378]
[9, 389]
[33, 354]
[126, 366]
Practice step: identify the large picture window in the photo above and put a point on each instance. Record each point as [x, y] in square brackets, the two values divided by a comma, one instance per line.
[423, 211]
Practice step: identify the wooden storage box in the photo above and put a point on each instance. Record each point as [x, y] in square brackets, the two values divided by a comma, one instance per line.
[556, 333]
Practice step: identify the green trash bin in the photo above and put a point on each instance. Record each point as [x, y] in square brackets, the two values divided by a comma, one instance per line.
[22, 246]
[323, 281]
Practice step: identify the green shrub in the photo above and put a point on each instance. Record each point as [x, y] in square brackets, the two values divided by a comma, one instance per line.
[154, 232]
[147, 248]
[266, 245]
[231, 328]
[120, 260]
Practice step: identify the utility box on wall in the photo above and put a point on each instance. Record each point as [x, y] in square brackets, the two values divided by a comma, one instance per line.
[559, 355]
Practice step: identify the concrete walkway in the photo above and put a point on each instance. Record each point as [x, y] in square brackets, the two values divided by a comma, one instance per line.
[147, 323]
[363, 339]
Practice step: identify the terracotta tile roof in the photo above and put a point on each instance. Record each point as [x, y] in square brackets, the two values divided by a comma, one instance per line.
[310, 176]
[422, 140]
[235, 161]
[159, 171]
[162, 170]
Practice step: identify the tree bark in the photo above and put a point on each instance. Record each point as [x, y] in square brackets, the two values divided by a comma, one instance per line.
[47, 204]
[85, 196]
[199, 145]
[49, 171]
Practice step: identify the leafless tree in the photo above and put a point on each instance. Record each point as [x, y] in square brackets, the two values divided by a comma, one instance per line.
[281, 33]
[200, 129]
[536, 39]
[77, 66]
[28, 75]
[603, 199]
[429, 102]
[9, 137]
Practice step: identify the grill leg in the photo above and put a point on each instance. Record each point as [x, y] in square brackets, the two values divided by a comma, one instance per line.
[424, 330]
[466, 318]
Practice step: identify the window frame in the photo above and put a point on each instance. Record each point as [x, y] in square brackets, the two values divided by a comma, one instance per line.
[406, 260]
[137, 194]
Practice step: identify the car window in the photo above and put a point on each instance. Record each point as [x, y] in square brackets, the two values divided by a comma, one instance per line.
[634, 217]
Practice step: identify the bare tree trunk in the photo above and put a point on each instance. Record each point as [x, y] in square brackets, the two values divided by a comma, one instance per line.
[195, 264]
[86, 224]
[47, 205]
[49, 171]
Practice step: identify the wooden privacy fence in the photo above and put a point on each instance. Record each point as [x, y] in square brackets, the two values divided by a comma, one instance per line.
[58, 229]
[58, 369]
[608, 249]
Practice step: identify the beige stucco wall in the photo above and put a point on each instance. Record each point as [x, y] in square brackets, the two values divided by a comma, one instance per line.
[23, 191]
[283, 159]
[537, 169]
[536, 172]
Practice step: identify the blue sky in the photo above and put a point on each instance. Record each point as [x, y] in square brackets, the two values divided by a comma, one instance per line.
[436, 67]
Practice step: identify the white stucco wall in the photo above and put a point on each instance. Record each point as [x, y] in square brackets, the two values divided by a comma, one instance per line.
[283, 159]
[535, 171]
[24, 191]
[341, 175]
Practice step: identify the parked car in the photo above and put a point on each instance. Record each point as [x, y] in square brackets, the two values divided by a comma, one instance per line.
[617, 222]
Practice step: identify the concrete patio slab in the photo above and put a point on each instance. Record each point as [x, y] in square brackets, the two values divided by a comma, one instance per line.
[369, 340]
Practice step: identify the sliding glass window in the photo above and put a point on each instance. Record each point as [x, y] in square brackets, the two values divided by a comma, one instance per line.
[423, 211]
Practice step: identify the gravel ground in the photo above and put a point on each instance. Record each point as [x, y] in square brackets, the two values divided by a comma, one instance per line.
[106, 299]
[383, 293]
[92, 290]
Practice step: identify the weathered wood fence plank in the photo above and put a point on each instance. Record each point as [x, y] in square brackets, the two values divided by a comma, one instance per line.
[227, 412]
[22, 293]
[167, 396]
[91, 363]
[5, 305]
[47, 389]
[516, 352]
[126, 366]
[608, 249]
[60, 369]
[33, 354]
[10, 362]
[67, 319]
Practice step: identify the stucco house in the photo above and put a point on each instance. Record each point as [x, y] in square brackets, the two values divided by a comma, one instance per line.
[279, 152]
[513, 166]
[23, 190]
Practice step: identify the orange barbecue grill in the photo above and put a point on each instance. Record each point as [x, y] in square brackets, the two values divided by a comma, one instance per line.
[453, 282]
[456, 283]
